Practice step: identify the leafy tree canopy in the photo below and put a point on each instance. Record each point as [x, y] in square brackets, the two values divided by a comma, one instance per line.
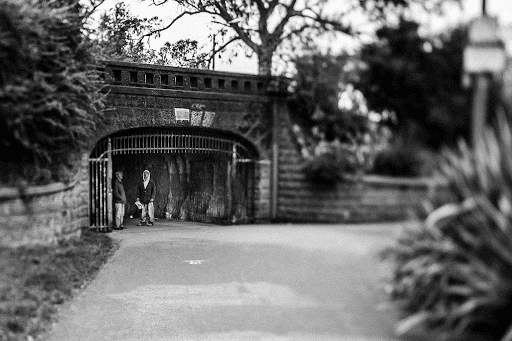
[265, 25]
[412, 82]
[419, 79]
[49, 94]
[119, 36]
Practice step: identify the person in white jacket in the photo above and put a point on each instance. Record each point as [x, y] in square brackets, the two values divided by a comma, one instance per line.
[146, 191]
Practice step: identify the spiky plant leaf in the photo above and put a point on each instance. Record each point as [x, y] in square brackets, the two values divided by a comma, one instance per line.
[453, 274]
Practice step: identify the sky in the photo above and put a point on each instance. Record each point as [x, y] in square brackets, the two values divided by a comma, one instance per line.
[199, 27]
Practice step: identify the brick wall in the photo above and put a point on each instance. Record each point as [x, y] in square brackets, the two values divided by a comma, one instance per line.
[44, 214]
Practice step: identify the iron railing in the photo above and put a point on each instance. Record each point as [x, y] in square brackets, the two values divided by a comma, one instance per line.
[170, 142]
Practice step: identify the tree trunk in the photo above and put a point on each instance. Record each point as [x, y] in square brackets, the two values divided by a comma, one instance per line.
[265, 61]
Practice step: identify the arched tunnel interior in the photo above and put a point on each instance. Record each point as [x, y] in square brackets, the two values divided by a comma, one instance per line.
[189, 187]
[199, 176]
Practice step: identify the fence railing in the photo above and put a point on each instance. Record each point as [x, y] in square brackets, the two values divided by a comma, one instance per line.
[169, 141]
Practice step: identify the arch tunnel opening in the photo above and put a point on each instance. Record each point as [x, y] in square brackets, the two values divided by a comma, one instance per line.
[201, 174]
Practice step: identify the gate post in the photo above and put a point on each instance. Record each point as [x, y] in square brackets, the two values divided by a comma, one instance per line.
[275, 161]
[109, 185]
[277, 91]
[233, 186]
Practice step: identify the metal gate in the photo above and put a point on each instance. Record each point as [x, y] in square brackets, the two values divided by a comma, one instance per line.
[239, 185]
[100, 199]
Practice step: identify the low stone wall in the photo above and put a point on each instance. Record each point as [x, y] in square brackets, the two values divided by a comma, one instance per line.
[369, 199]
[44, 215]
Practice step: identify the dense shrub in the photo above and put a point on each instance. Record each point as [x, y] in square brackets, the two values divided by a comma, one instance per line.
[49, 96]
[399, 159]
[329, 167]
[453, 274]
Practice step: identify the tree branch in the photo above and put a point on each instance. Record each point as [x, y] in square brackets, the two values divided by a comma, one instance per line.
[224, 14]
[153, 32]
[223, 46]
[325, 22]
[158, 2]
[264, 15]
[214, 52]
[272, 5]
[94, 7]
[261, 6]
[295, 32]
[290, 12]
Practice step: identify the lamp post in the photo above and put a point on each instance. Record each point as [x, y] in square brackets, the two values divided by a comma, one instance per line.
[484, 59]
[213, 50]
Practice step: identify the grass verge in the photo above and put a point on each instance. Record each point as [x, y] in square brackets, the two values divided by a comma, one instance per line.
[34, 281]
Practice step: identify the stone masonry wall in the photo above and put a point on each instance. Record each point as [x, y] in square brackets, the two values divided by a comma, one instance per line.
[370, 199]
[44, 215]
[146, 96]
[149, 96]
[262, 192]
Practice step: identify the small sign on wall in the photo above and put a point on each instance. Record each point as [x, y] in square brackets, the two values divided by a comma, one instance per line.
[196, 114]
[182, 114]
[208, 118]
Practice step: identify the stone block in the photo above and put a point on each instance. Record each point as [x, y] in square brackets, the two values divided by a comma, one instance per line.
[150, 102]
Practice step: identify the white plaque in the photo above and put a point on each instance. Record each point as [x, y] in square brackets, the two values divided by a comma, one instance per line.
[182, 114]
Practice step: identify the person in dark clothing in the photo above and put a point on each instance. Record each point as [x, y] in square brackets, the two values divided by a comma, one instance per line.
[119, 201]
[146, 191]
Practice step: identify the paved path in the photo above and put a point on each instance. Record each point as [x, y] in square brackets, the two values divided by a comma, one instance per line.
[188, 281]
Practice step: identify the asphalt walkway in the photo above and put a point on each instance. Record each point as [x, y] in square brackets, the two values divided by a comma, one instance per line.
[189, 281]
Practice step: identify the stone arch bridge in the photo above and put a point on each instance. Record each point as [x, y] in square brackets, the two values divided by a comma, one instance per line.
[220, 148]
[206, 137]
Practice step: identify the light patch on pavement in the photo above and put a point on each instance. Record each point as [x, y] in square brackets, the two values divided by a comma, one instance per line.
[195, 261]
[294, 336]
[212, 295]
